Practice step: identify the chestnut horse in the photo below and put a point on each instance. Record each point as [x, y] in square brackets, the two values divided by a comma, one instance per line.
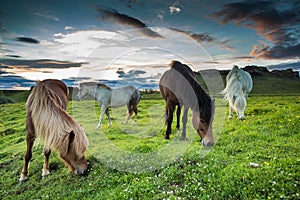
[178, 86]
[46, 117]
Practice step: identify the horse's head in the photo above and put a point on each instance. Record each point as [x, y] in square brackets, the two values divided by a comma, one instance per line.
[204, 128]
[74, 156]
[82, 92]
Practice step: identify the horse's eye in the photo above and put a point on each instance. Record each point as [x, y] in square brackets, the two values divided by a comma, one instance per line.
[201, 129]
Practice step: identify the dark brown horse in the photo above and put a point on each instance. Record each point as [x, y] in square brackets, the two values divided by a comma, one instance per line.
[179, 87]
[46, 117]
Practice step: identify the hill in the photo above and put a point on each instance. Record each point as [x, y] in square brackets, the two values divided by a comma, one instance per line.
[265, 82]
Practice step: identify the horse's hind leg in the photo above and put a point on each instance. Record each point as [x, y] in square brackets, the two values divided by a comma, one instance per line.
[135, 112]
[130, 112]
[170, 107]
[108, 116]
[103, 109]
[184, 121]
[30, 137]
[46, 163]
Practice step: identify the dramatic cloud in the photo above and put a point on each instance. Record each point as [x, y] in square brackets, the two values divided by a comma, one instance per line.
[294, 65]
[15, 82]
[111, 14]
[205, 37]
[27, 40]
[277, 22]
[39, 64]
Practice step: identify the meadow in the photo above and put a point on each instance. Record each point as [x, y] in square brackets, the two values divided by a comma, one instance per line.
[133, 161]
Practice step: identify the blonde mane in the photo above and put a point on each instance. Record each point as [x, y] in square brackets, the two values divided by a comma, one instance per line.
[52, 123]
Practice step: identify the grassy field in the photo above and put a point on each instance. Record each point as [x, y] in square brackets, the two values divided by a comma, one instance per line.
[135, 162]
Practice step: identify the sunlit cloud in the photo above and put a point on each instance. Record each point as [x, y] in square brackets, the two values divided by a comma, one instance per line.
[275, 22]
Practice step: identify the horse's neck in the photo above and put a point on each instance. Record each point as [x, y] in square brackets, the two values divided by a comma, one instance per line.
[102, 93]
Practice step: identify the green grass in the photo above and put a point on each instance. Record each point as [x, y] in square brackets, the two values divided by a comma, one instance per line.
[135, 162]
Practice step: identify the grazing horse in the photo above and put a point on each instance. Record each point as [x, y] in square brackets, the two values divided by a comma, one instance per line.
[178, 86]
[46, 118]
[238, 86]
[111, 98]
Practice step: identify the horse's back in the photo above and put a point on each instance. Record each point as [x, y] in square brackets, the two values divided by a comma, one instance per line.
[122, 95]
[166, 85]
[56, 89]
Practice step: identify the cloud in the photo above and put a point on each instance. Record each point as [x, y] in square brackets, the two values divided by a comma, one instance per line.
[15, 82]
[27, 40]
[68, 28]
[46, 16]
[132, 3]
[12, 56]
[130, 74]
[277, 22]
[205, 37]
[111, 14]
[174, 10]
[40, 63]
[283, 66]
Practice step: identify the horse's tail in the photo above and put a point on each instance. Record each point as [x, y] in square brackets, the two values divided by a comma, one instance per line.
[51, 122]
[135, 97]
[233, 84]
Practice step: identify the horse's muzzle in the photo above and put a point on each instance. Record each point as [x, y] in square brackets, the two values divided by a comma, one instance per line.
[207, 144]
[80, 171]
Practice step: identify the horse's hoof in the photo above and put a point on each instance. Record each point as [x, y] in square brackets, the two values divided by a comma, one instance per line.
[167, 137]
[242, 118]
[22, 180]
[230, 117]
[183, 139]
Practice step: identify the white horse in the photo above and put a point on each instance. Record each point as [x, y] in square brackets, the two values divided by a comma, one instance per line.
[238, 85]
[111, 98]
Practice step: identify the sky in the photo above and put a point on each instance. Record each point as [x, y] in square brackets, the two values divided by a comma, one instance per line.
[133, 41]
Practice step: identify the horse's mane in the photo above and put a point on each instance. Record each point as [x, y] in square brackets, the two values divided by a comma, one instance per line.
[204, 101]
[95, 84]
[52, 123]
[103, 86]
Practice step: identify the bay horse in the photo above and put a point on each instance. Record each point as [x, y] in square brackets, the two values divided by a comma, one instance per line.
[111, 98]
[47, 118]
[238, 85]
[178, 87]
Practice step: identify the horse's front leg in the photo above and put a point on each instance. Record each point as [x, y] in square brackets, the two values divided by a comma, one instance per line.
[178, 116]
[103, 109]
[184, 121]
[46, 167]
[108, 116]
[230, 112]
